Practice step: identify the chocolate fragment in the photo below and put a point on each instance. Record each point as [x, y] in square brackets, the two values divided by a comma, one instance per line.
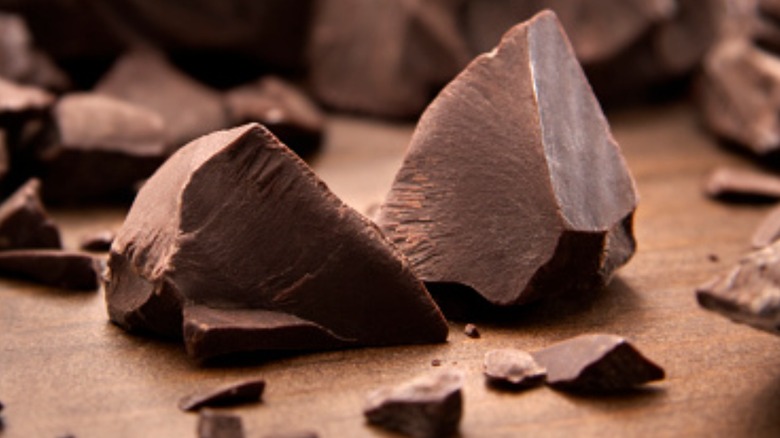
[21, 62]
[188, 108]
[596, 363]
[484, 146]
[64, 269]
[249, 391]
[284, 109]
[471, 331]
[18, 99]
[427, 406]
[24, 222]
[187, 257]
[98, 242]
[511, 368]
[768, 230]
[748, 293]
[730, 183]
[98, 147]
[213, 424]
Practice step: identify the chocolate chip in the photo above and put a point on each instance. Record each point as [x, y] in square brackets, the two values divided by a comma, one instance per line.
[65, 269]
[427, 406]
[731, 183]
[24, 222]
[510, 368]
[213, 424]
[747, 292]
[471, 331]
[97, 242]
[596, 363]
[483, 146]
[187, 256]
[249, 391]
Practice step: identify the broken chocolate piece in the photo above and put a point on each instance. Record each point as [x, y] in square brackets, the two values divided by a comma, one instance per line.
[284, 109]
[186, 257]
[471, 331]
[534, 189]
[213, 424]
[98, 147]
[249, 391]
[21, 62]
[726, 182]
[24, 222]
[98, 242]
[146, 79]
[596, 363]
[64, 269]
[748, 293]
[512, 369]
[427, 406]
[768, 230]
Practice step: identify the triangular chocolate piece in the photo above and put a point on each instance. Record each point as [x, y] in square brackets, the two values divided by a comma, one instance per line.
[236, 221]
[513, 185]
[24, 222]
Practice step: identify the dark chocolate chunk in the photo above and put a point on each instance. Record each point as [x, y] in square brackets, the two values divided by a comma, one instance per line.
[187, 256]
[748, 293]
[98, 242]
[768, 230]
[471, 331]
[21, 62]
[512, 196]
[284, 109]
[512, 369]
[146, 79]
[250, 391]
[596, 363]
[64, 269]
[24, 222]
[428, 406]
[727, 182]
[384, 57]
[213, 424]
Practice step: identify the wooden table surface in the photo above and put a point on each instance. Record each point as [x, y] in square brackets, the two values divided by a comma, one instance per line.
[64, 369]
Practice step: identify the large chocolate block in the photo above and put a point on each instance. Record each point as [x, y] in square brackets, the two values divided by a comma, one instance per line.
[513, 185]
[236, 239]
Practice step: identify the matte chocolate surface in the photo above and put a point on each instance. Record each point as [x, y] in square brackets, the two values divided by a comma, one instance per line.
[428, 406]
[98, 242]
[732, 183]
[283, 108]
[24, 222]
[511, 368]
[748, 293]
[596, 363]
[58, 268]
[213, 424]
[513, 185]
[250, 391]
[187, 258]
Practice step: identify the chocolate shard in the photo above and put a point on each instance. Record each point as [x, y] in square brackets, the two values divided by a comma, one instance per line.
[428, 406]
[731, 183]
[250, 391]
[596, 363]
[510, 368]
[495, 182]
[97, 147]
[146, 79]
[21, 62]
[213, 424]
[283, 108]
[385, 57]
[768, 230]
[471, 331]
[98, 242]
[24, 222]
[748, 293]
[326, 277]
[52, 267]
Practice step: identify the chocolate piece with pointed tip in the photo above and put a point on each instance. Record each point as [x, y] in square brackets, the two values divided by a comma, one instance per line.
[428, 406]
[511, 368]
[596, 363]
[250, 391]
[513, 170]
[24, 222]
[21, 62]
[748, 293]
[187, 256]
[731, 183]
[212, 424]
[65, 269]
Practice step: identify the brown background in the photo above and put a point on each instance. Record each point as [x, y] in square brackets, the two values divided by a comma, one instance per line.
[65, 369]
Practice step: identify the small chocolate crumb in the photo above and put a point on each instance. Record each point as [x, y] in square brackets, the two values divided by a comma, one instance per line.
[427, 406]
[511, 368]
[98, 242]
[714, 258]
[471, 331]
[436, 362]
[249, 391]
[213, 424]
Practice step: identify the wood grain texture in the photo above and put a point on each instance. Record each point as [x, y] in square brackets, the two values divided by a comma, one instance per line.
[65, 369]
